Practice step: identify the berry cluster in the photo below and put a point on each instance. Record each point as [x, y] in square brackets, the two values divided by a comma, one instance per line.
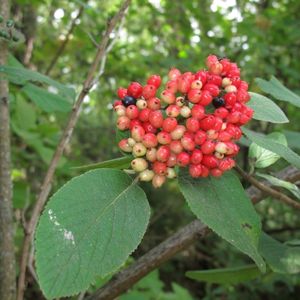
[193, 124]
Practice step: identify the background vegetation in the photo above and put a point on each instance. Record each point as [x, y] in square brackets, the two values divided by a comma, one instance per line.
[262, 36]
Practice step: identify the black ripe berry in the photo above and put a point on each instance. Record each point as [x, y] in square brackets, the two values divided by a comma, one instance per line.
[128, 100]
[218, 102]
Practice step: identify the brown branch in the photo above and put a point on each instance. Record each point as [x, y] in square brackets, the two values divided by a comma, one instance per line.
[46, 186]
[150, 261]
[7, 255]
[65, 42]
[126, 278]
[268, 190]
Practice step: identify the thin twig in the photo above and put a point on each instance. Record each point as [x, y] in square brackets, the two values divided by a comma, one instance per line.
[268, 190]
[65, 42]
[46, 186]
[179, 241]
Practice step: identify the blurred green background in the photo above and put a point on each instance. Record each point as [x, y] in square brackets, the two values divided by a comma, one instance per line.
[262, 36]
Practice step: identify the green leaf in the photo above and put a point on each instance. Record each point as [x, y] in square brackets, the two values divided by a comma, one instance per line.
[117, 163]
[47, 101]
[89, 228]
[227, 275]
[263, 157]
[266, 110]
[20, 76]
[293, 138]
[281, 183]
[25, 114]
[261, 140]
[275, 88]
[222, 204]
[281, 258]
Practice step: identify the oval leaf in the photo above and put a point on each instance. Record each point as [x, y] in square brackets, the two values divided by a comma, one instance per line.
[88, 229]
[262, 157]
[222, 204]
[266, 110]
[275, 88]
[273, 146]
[226, 275]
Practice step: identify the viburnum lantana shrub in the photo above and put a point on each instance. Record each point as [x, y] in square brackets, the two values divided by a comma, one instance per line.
[195, 122]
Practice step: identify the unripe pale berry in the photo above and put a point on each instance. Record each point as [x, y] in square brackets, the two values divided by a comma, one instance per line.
[219, 155]
[124, 146]
[171, 173]
[151, 154]
[141, 103]
[226, 81]
[146, 175]
[131, 142]
[173, 111]
[180, 101]
[137, 133]
[187, 143]
[168, 97]
[221, 147]
[139, 150]
[120, 110]
[178, 132]
[158, 181]
[154, 103]
[212, 134]
[123, 123]
[230, 89]
[196, 84]
[169, 124]
[164, 138]
[139, 164]
[185, 111]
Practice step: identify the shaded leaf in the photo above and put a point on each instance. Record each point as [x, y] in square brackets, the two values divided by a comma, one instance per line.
[266, 110]
[227, 275]
[89, 228]
[263, 157]
[222, 204]
[273, 146]
[275, 88]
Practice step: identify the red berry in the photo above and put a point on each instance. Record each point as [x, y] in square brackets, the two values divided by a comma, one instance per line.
[122, 92]
[218, 124]
[216, 68]
[226, 164]
[149, 91]
[172, 160]
[205, 171]
[202, 76]
[192, 124]
[230, 99]
[183, 159]
[198, 111]
[150, 140]
[200, 137]
[210, 161]
[196, 156]
[134, 122]
[173, 110]
[194, 95]
[183, 85]
[156, 118]
[117, 103]
[215, 79]
[132, 112]
[224, 136]
[124, 146]
[197, 84]
[154, 80]
[144, 114]
[158, 181]
[206, 98]
[163, 153]
[135, 90]
[221, 112]
[208, 122]
[216, 172]
[211, 60]
[159, 168]
[188, 143]
[154, 103]
[172, 86]
[234, 117]
[176, 147]
[208, 147]
[212, 89]
[149, 128]
[169, 124]
[195, 170]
